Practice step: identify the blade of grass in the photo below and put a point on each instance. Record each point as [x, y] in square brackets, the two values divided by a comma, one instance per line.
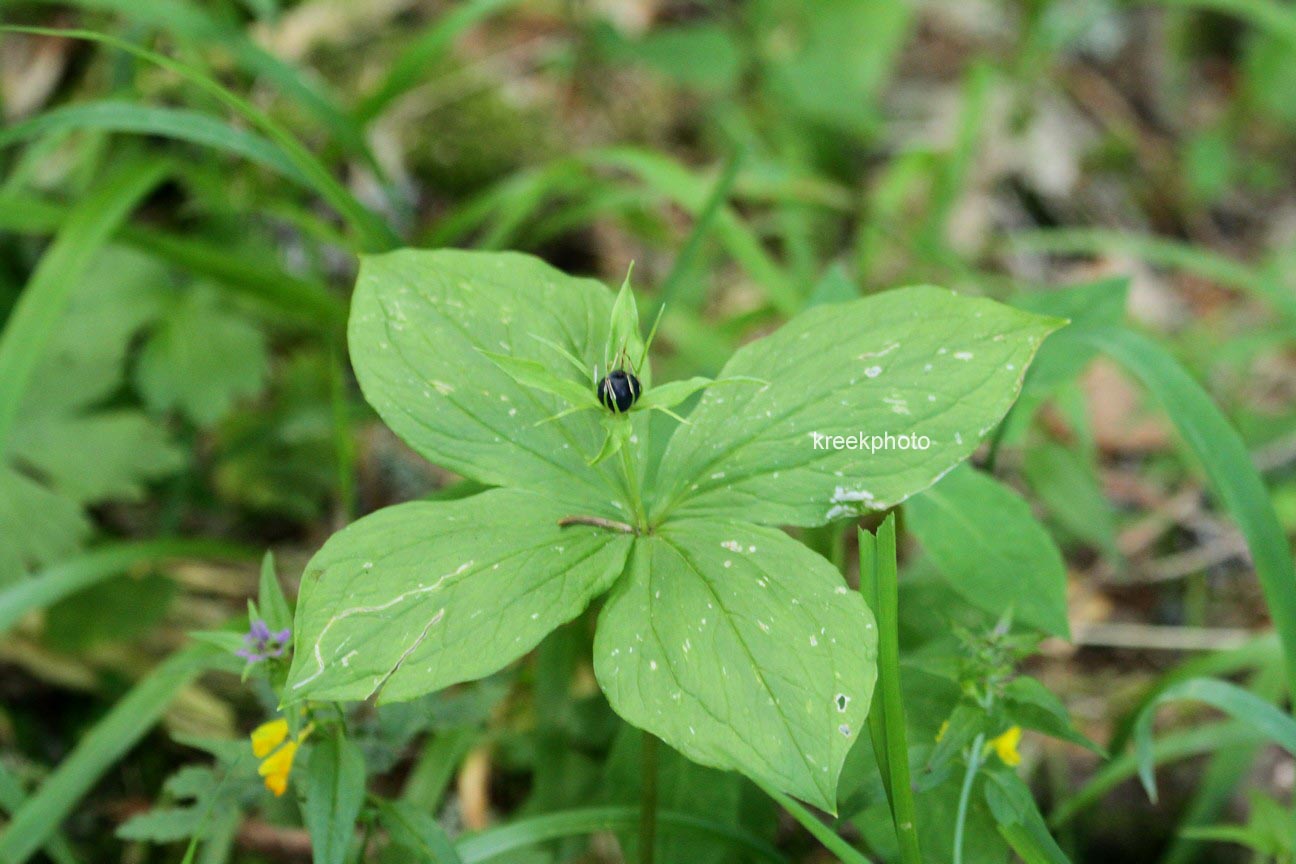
[1228, 467]
[1237, 702]
[12, 798]
[846, 853]
[374, 234]
[1225, 772]
[880, 586]
[410, 67]
[716, 199]
[77, 574]
[49, 290]
[1163, 253]
[435, 766]
[106, 742]
[192, 23]
[179, 124]
[1167, 748]
[573, 823]
[677, 184]
[291, 297]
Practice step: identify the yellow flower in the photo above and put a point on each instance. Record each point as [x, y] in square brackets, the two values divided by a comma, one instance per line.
[1006, 745]
[276, 768]
[276, 764]
[268, 736]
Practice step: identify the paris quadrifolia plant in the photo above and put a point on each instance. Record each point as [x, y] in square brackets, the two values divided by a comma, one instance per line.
[717, 632]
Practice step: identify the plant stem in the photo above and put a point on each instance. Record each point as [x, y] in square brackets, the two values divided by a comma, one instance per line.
[879, 583]
[631, 473]
[648, 800]
[960, 819]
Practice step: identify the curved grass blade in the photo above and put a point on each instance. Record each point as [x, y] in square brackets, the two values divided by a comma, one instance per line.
[191, 22]
[845, 852]
[1167, 748]
[1238, 703]
[77, 574]
[1163, 253]
[374, 234]
[177, 123]
[572, 823]
[291, 297]
[105, 743]
[42, 303]
[1228, 467]
[408, 69]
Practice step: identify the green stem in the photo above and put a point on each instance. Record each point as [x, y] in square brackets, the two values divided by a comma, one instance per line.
[965, 794]
[632, 486]
[879, 583]
[648, 800]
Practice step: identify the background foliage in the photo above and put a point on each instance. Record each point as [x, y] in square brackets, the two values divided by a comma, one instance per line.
[184, 189]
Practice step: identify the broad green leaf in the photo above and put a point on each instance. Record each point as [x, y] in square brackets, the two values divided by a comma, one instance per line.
[982, 536]
[335, 791]
[200, 359]
[913, 362]
[1067, 483]
[742, 649]
[422, 595]
[52, 526]
[420, 322]
[94, 457]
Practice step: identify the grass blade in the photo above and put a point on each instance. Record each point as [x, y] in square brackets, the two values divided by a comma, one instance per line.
[1238, 703]
[573, 823]
[411, 66]
[1163, 253]
[880, 586]
[179, 124]
[374, 234]
[846, 853]
[48, 292]
[1228, 468]
[77, 574]
[106, 742]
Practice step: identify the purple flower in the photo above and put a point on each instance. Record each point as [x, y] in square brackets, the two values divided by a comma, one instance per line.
[261, 644]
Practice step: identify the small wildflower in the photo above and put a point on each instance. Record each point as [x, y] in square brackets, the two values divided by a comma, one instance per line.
[276, 764]
[1005, 746]
[268, 736]
[259, 643]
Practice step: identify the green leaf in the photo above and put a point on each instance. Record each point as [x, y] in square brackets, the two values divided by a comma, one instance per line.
[1067, 483]
[94, 457]
[33, 321]
[200, 359]
[422, 595]
[1019, 820]
[913, 362]
[742, 649]
[161, 824]
[982, 536]
[1030, 704]
[419, 324]
[53, 526]
[417, 831]
[536, 375]
[335, 790]
[270, 596]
